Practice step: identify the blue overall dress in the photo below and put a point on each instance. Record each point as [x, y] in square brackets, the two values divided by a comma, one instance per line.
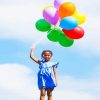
[46, 77]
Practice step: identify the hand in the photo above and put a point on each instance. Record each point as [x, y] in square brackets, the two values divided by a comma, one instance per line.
[56, 82]
[32, 50]
[33, 46]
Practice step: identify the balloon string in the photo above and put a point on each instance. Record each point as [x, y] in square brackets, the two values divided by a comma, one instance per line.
[42, 37]
[38, 41]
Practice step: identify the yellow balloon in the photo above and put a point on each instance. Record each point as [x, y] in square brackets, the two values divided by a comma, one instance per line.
[80, 17]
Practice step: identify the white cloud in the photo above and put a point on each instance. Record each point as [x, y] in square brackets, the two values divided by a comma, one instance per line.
[87, 6]
[76, 89]
[15, 82]
[73, 95]
[17, 19]
[18, 82]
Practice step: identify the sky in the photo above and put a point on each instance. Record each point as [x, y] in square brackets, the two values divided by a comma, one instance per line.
[79, 65]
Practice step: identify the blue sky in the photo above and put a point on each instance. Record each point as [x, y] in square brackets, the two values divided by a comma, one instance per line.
[79, 65]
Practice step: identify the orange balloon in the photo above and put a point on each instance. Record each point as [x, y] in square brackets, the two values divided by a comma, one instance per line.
[66, 9]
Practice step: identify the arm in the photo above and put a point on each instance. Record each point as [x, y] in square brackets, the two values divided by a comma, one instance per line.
[32, 56]
[55, 74]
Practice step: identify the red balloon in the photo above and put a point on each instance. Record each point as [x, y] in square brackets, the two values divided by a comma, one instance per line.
[75, 33]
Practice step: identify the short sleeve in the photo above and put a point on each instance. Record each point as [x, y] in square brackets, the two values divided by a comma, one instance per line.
[42, 61]
[56, 64]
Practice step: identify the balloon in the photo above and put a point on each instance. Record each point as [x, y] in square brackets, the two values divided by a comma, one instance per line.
[57, 3]
[50, 14]
[68, 23]
[80, 17]
[65, 41]
[75, 33]
[54, 35]
[42, 25]
[66, 9]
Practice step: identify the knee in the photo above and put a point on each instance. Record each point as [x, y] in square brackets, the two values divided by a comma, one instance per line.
[43, 94]
[49, 94]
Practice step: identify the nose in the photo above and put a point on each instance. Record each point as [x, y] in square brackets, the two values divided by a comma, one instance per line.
[46, 56]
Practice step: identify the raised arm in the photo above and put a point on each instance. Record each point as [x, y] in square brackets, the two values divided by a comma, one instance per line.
[32, 56]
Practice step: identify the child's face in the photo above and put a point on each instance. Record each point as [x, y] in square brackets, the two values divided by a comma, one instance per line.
[47, 56]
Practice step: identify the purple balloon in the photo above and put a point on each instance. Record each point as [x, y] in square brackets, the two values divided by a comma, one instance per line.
[50, 14]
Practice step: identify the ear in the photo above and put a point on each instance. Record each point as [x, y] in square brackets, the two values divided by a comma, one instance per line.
[43, 55]
[51, 55]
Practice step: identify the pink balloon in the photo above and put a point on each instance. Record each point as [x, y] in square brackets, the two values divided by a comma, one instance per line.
[57, 3]
[50, 14]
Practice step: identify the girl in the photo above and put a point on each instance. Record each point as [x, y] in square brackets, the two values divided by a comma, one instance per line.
[47, 75]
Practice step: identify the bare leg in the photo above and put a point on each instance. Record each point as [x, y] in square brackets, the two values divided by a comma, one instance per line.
[42, 94]
[49, 93]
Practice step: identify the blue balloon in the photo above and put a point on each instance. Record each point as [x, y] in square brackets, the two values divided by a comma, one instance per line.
[69, 23]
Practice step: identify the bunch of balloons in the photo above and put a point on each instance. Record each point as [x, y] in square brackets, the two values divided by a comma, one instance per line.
[69, 20]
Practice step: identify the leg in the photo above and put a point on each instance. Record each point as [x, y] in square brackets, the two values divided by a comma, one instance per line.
[42, 93]
[49, 93]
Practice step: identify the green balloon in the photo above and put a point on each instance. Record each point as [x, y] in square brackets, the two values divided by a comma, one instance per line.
[65, 41]
[42, 25]
[54, 34]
